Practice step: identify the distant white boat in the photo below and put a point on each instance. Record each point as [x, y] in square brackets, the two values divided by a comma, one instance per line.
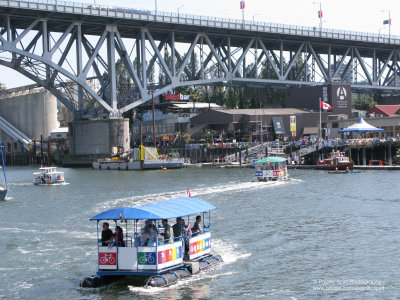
[142, 158]
[3, 183]
[48, 176]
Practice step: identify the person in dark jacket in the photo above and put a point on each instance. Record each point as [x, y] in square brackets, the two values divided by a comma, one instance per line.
[106, 234]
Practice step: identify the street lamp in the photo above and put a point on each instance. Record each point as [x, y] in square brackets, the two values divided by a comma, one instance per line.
[319, 14]
[388, 21]
[255, 16]
[179, 8]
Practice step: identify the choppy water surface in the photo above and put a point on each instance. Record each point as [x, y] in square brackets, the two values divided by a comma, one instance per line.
[318, 236]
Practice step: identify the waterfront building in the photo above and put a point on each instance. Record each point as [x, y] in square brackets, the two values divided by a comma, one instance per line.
[170, 118]
[384, 110]
[26, 114]
[261, 124]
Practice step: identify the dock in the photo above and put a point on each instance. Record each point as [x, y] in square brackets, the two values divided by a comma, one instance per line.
[355, 167]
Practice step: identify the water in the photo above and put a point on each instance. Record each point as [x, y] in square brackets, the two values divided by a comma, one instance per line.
[281, 240]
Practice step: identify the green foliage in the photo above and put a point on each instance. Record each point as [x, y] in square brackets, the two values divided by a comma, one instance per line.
[363, 102]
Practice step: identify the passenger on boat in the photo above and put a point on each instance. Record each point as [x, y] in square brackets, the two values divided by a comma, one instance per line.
[106, 234]
[144, 231]
[120, 237]
[150, 236]
[197, 226]
[167, 234]
[187, 233]
[177, 228]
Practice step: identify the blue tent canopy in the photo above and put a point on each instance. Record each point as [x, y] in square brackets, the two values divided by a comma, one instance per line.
[361, 126]
[173, 208]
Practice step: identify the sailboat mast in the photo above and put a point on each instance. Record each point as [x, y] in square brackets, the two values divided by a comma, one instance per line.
[141, 148]
[2, 161]
[154, 123]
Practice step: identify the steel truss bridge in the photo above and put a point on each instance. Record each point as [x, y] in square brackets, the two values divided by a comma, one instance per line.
[104, 61]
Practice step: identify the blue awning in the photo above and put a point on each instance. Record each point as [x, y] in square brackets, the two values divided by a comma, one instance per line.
[173, 208]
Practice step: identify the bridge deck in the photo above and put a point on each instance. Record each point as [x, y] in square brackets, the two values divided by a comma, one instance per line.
[213, 24]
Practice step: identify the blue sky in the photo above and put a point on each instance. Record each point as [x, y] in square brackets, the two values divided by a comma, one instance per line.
[353, 15]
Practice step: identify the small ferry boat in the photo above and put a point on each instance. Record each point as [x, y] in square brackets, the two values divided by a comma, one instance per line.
[143, 254]
[336, 160]
[3, 182]
[48, 176]
[271, 168]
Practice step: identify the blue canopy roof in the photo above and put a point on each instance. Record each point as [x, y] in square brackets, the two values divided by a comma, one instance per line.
[173, 208]
[361, 126]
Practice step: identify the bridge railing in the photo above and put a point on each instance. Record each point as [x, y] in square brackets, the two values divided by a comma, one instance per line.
[125, 12]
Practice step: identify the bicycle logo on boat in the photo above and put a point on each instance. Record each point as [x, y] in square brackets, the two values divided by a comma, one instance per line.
[146, 258]
[107, 258]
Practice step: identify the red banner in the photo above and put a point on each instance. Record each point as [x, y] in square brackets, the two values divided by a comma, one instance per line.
[178, 97]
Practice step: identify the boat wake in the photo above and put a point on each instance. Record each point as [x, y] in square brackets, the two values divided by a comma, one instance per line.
[229, 254]
[228, 251]
[232, 186]
[242, 186]
[185, 285]
[10, 185]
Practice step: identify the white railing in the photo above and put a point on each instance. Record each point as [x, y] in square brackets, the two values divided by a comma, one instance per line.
[188, 19]
[256, 150]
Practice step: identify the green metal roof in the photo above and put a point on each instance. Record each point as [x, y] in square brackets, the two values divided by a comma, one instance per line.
[272, 159]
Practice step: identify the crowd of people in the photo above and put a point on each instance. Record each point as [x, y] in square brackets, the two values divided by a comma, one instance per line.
[149, 233]
[302, 143]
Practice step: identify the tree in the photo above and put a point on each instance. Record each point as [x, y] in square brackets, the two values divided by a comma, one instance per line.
[363, 102]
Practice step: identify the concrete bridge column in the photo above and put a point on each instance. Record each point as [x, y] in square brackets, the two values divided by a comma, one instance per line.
[89, 137]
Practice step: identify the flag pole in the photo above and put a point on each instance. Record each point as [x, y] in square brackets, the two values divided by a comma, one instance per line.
[320, 122]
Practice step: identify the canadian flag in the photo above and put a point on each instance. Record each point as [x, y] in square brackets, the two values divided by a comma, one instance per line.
[325, 105]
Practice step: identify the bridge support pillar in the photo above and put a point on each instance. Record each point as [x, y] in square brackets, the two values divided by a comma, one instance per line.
[99, 137]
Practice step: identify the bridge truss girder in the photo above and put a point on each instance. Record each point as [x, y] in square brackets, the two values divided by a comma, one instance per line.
[106, 70]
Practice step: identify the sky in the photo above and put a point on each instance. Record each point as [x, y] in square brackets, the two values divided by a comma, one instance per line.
[351, 15]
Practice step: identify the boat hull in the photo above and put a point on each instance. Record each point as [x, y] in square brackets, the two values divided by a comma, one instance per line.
[148, 164]
[342, 166]
[3, 194]
[161, 279]
[52, 183]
